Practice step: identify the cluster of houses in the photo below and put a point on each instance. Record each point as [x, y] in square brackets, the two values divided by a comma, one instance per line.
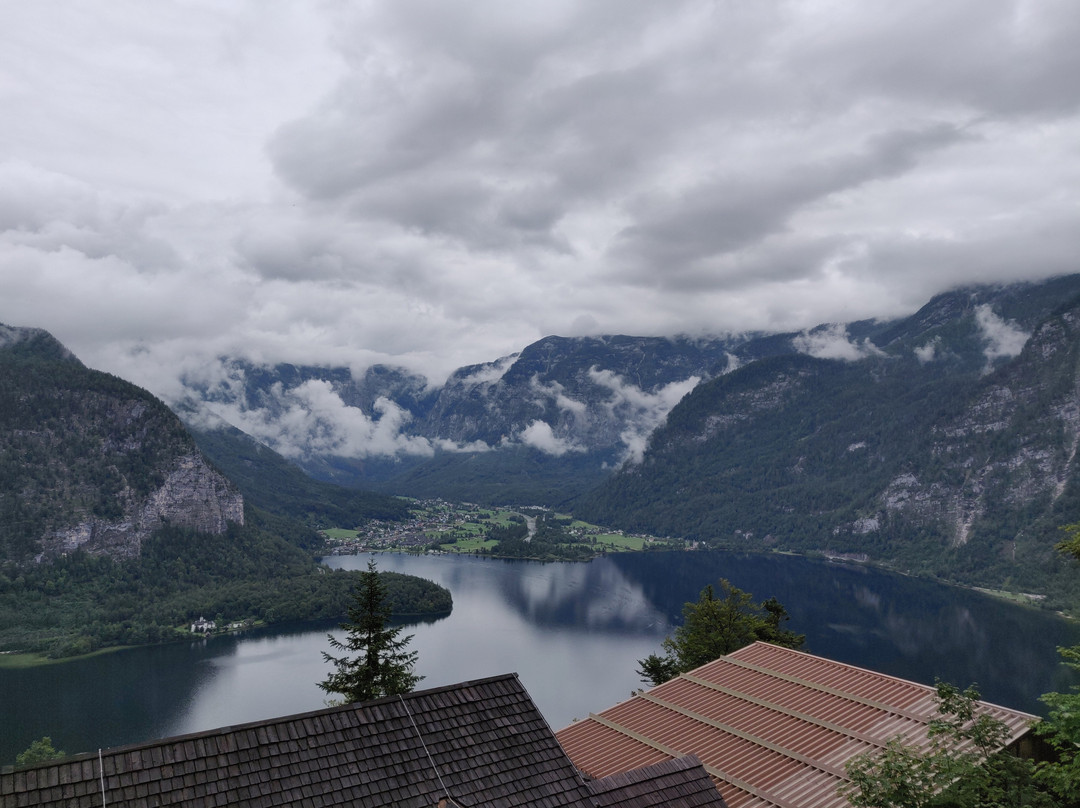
[442, 519]
[412, 534]
[764, 727]
[203, 626]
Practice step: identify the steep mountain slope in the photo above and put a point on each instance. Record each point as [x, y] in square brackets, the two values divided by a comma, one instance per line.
[90, 461]
[114, 529]
[1001, 472]
[554, 421]
[942, 443]
[268, 481]
[591, 393]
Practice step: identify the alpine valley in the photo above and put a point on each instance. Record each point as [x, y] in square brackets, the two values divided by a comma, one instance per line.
[942, 444]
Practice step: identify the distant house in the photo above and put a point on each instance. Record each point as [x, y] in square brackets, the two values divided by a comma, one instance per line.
[203, 626]
[480, 743]
[772, 726]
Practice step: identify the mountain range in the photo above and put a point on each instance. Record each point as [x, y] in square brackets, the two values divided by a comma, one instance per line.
[942, 443]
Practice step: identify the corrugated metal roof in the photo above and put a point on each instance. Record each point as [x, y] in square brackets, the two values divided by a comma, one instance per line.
[772, 726]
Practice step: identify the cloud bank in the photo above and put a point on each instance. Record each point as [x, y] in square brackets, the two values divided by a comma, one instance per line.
[312, 420]
[540, 435]
[433, 183]
[641, 411]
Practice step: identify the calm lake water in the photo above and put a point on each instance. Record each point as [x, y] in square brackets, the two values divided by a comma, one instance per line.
[573, 632]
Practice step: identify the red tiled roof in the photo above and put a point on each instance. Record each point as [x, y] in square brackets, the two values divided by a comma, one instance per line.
[772, 726]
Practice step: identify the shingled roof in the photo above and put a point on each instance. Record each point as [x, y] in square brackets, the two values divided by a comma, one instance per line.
[772, 726]
[682, 782]
[478, 743]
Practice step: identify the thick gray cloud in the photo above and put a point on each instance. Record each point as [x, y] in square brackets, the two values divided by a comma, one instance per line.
[723, 215]
[436, 183]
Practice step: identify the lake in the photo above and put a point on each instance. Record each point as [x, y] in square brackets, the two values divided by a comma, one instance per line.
[573, 632]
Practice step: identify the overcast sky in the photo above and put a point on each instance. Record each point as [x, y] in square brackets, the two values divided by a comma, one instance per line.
[436, 182]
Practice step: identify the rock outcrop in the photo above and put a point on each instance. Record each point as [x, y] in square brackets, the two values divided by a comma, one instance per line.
[193, 496]
[89, 461]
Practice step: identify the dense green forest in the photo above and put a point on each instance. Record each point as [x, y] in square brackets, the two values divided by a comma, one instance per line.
[515, 474]
[259, 571]
[947, 469]
[784, 468]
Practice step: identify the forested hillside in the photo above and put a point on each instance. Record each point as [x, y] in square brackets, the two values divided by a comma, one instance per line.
[271, 483]
[114, 528]
[929, 450]
[254, 572]
[84, 456]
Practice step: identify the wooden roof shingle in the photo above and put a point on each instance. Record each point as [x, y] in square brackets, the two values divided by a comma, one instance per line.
[677, 783]
[479, 743]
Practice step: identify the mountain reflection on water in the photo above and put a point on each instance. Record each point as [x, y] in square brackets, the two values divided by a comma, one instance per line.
[572, 631]
[906, 627]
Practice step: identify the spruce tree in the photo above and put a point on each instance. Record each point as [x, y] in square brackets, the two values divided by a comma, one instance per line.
[379, 665]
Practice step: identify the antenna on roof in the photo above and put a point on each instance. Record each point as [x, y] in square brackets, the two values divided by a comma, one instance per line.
[101, 771]
[446, 798]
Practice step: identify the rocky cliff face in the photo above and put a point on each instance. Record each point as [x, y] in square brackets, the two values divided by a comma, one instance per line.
[192, 495]
[1012, 446]
[92, 462]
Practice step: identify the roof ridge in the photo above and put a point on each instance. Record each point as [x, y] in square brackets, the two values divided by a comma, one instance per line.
[775, 707]
[431, 691]
[811, 684]
[773, 647]
[648, 772]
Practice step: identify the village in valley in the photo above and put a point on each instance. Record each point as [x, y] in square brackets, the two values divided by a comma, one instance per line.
[438, 526]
